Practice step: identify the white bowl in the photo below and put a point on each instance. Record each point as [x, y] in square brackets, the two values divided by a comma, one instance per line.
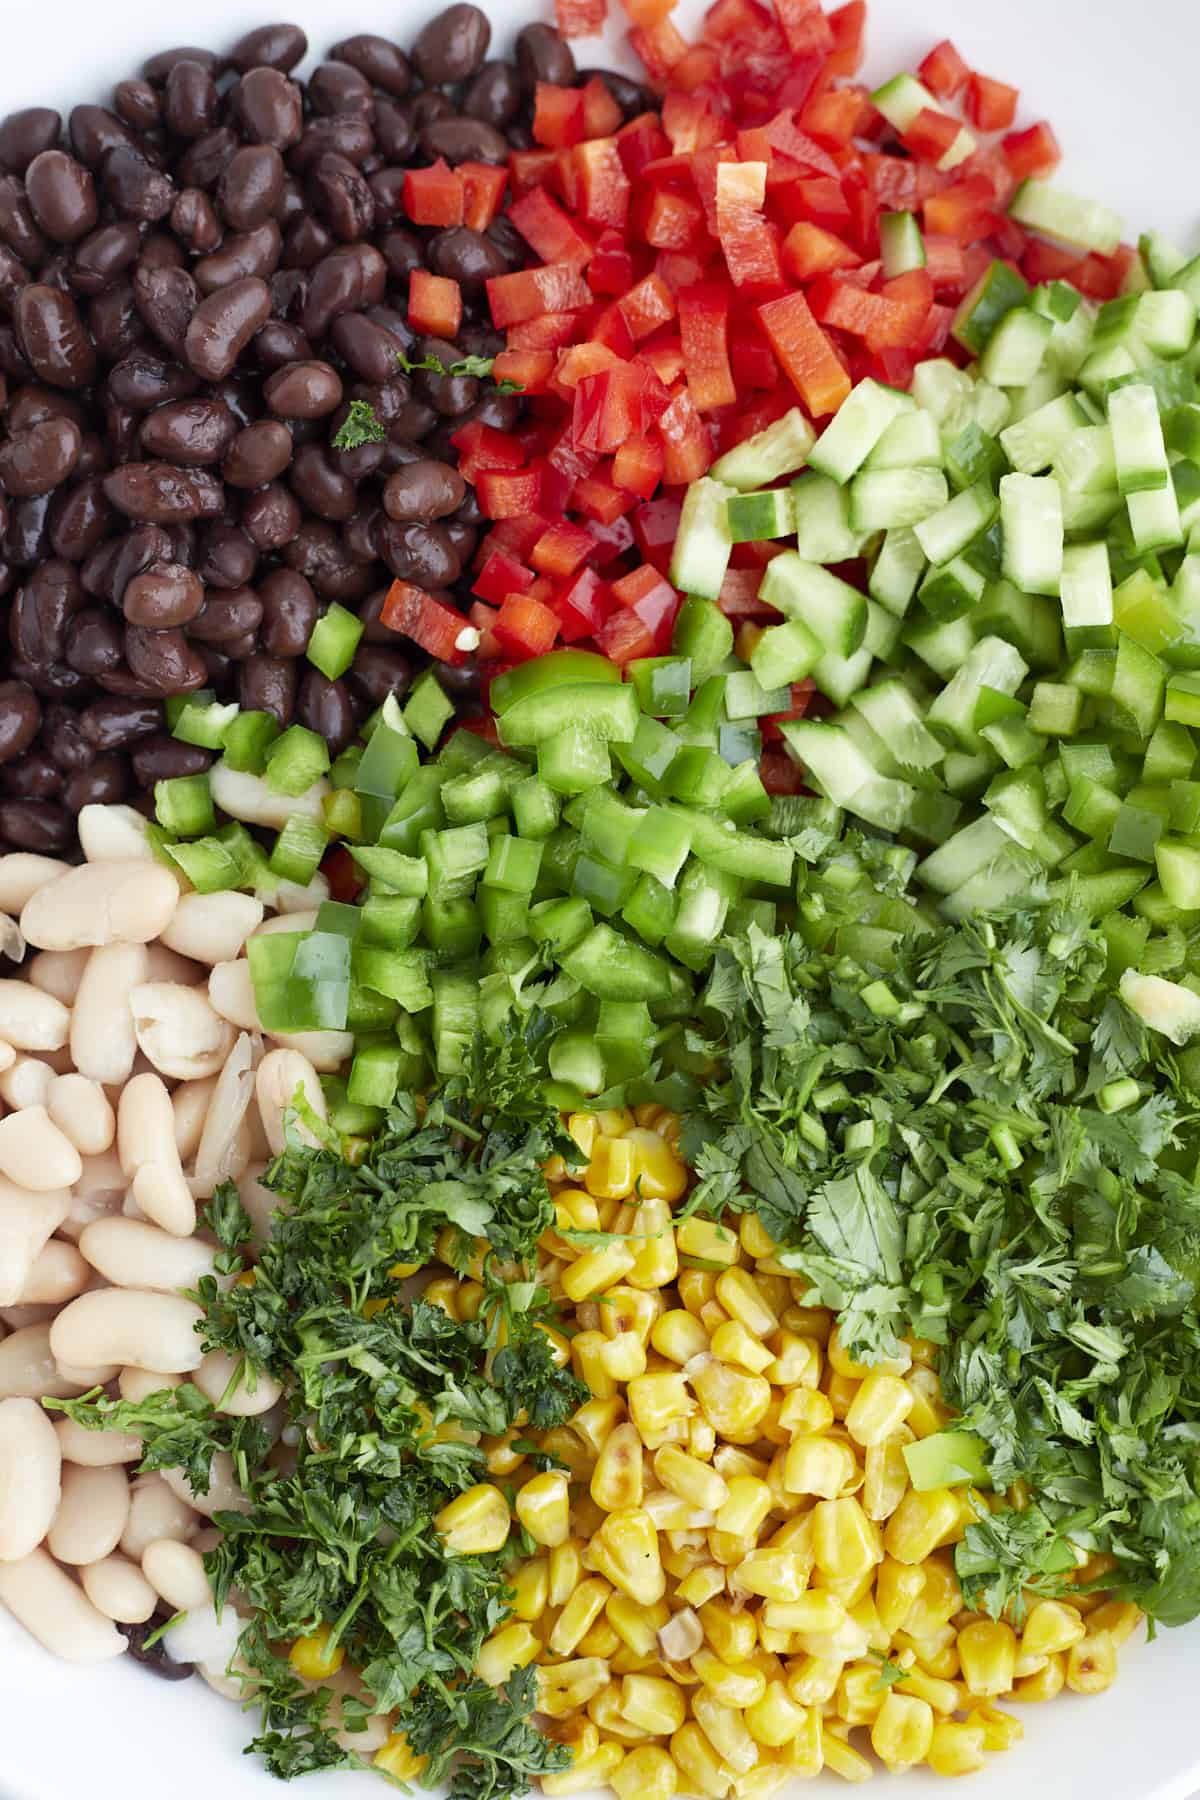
[1114, 87]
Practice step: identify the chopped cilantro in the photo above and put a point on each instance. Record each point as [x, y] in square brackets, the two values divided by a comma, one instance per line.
[360, 426]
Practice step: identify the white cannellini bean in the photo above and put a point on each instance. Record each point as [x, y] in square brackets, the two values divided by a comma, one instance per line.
[178, 1030]
[294, 896]
[56, 1274]
[190, 1102]
[92, 1514]
[98, 1192]
[117, 1588]
[28, 1368]
[259, 1201]
[43, 1598]
[125, 902]
[31, 1019]
[136, 1384]
[80, 1108]
[146, 1146]
[22, 874]
[35, 1153]
[224, 1494]
[156, 1512]
[247, 797]
[129, 1325]
[280, 1073]
[209, 1642]
[96, 1449]
[8, 1056]
[218, 1370]
[231, 993]
[30, 1477]
[103, 1044]
[212, 928]
[177, 1574]
[325, 1050]
[26, 1082]
[58, 972]
[113, 833]
[292, 921]
[221, 1147]
[131, 1254]
[28, 1220]
[167, 965]
[18, 1317]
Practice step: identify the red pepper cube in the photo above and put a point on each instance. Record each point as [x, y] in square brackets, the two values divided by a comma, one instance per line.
[525, 627]
[655, 526]
[805, 353]
[528, 370]
[611, 267]
[664, 357]
[551, 332]
[482, 446]
[434, 196]
[810, 250]
[819, 199]
[612, 537]
[778, 773]
[580, 18]
[500, 576]
[346, 880]
[1032, 152]
[507, 493]
[483, 193]
[483, 618]
[689, 122]
[990, 105]
[668, 221]
[646, 306]
[848, 25]
[789, 140]
[657, 611]
[599, 499]
[964, 211]
[550, 232]
[805, 27]
[930, 135]
[557, 116]
[577, 363]
[529, 169]
[687, 448]
[565, 455]
[637, 466]
[727, 19]
[623, 636]
[559, 551]
[834, 118]
[751, 246]
[532, 293]
[753, 364]
[581, 606]
[944, 261]
[517, 536]
[639, 582]
[608, 408]
[647, 12]
[909, 298]
[1044, 262]
[641, 142]
[435, 305]
[943, 71]
[611, 328]
[1104, 277]
[659, 46]
[704, 333]
[602, 116]
[428, 622]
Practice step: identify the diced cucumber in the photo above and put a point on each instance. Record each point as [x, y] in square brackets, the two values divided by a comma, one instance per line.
[901, 245]
[1031, 516]
[780, 449]
[1137, 435]
[952, 589]
[947, 532]
[1032, 443]
[746, 698]
[841, 676]
[945, 647]
[821, 511]
[1087, 598]
[1085, 224]
[897, 570]
[1085, 462]
[912, 440]
[755, 517]
[702, 542]
[998, 290]
[882, 499]
[834, 611]
[974, 455]
[1154, 519]
[991, 663]
[969, 851]
[785, 653]
[1017, 348]
[943, 389]
[856, 428]
[1163, 261]
[1166, 322]
[892, 714]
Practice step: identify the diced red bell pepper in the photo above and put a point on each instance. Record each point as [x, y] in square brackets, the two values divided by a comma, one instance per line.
[559, 551]
[623, 636]
[529, 169]
[1009, 238]
[612, 537]
[647, 306]
[641, 142]
[557, 116]
[637, 466]
[659, 46]
[1104, 277]
[848, 25]
[639, 582]
[943, 71]
[937, 330]
[689, 122]
[483, 193]
[566, 456]
[603, 187]
[666, 220]
[698, 67]
[930, 135]
[528, 370]
[506, 493]
[657, 611]
[664, 355]
[818, 200]
[754, 367]
[990, 105]
[846, 306]
[578, 362]
[654, 529]
[749, 240]
[346, 880]
[963, 211]
[483, 618]
[647, 12]
[807, 30]
[805, 353]
[945, 263]
[428, 622]
[581, 606]
[786, 137]
[687, 450]
[611, 267]
[832, 119]
[434, 196]
[739, 599]
[531, 293]
[517, 536]
[550, 232]
[501, 575]
[599, 499]
[435, 305]
[481, 447]
[615, 404]
[809, 250]
[525, 627]
[1047, 262]
[601, 114]
[611, 329]
[580, 18]
[734, 18]
[778, 773]
[704, 332]
[909, 298]
[678, 269]
[555, 488]
[1035, 151]
[550, 332]
[899, 183]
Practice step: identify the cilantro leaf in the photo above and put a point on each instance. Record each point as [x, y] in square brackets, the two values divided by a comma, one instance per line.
[360, 426]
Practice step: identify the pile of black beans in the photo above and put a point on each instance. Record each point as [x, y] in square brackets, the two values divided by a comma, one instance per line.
[195, 282]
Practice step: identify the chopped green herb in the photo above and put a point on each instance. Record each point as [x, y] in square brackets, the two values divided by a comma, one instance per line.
[360, 426]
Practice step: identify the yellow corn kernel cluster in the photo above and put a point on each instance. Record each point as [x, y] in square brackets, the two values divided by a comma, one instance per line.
[730, 1548]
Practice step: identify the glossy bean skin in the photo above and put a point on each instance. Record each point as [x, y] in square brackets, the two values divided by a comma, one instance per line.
[53, 338]
[62, 196]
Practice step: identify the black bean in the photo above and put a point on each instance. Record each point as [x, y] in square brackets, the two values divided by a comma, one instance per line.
[377, 672]
[344, 134]
[452, 45]
[31, 777]
[62, 196]
[35, 825]
[191, 99]
[341, 197]
[194, 221]
[42, 611]
[326, 708]
[303, 390]
[94, 642]
[271, 517]
[163, 758]
[251, 186]
[383, 63]
[225, 556]
[543, 56]
[270, 108]
[358, 533]
[277, 46]
[422, 554]
[494, 95]
[289, 613]
[52, 336]
[79, 518]
[268, 684]
[161, 494]
[395, 130]
[461, 680]
[464, 140]
[134, 188]
[278, 343]
[463, 537]
[317, 551]
[139, 548]
[162, 597]
[163, 660]
[223, 324]
[103, 255]
[501, 411]
[26, 539]
[344, 281]
[243, 254]
[466, 256]
[20, 716]
[25, 134]
[402, 251]
[337, 87]
[142, 381]
[201, 164]
[227, 617]
[508, 240]
[114, 724]
[323, 488]
[137, 104]
[113, 322]
[103, 784]
[423, 491]
[449, 395]
[36, 461]
[195, 432]
[258, 454]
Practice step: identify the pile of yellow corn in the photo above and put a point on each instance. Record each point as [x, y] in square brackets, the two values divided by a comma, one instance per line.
[734, 1583]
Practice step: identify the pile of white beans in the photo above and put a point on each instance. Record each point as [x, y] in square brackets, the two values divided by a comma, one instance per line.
[135, 1077]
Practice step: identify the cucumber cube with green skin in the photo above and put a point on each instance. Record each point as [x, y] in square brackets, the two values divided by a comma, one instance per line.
[901, 245]
[974, 456]
[1031, 516]
[702, 541]
[1033, 442]
[821, 514]
[952, 590]
[998, 290]
[1017, 348]
[834, 612]
[911, 441]
[1058, 300]
[1087, 598]
[857, 427]
[945, 533]
[896, 571]
[753, 518]
[780, 449]
[882, 499]
[1084, 224]
[785, 653]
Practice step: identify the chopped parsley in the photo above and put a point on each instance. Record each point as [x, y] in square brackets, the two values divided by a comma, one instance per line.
[362, 425]
[478, 366]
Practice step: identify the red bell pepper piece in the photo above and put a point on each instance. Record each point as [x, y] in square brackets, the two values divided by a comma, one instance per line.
[666, 220]
[818, 200]
[527, 369]
[557, 115]
[517, 536]
[909, 299]
[833, 119]
[483, 618]
[601, 114]
[805, 353]
[550, 332]
[654, 529]
[689, 122]
[749, 240]
[647, 12]
[1103, 277]
[659, 46]
[507, 493]
[704, 331]
[612, 537]
[611, 329]
[945, 263]
[786, 137]
[639, 582]
[434, 196]
[559, 551]
[483, 193]
[568, 459]
[1047, 262]
[501, 575]
[778, 773]
[808, 250]
[1009, 238]
[603, 187]
[428, 622]
[578, 362]
[943, 71]
[739, 599]
[481, 447]
[580, 18]
[637, 466]
[1032, 152]
[581, 606]
[687, 450]
[640, 142]
[930, 135]
[807, 30]
[751, 359]
[698, 67]
[531, 293]
[532, 168]
[435, 305]
[623, 636]
[647, 306]
[614, 404]
[525, 627]
[599, 499]
[963, 211]
[846, 306]
[346, 880]
[550, 232]
[990, 105]
[733, 18]
[611, 267]
[664, 356]
[848, 25]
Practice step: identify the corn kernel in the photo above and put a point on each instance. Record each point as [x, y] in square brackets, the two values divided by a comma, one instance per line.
[928, 1414]
[613, 1169]
[701, 1439]
[616, 1122]
[398, 1759]
[595, 1421]
[582, 1126]
[878, 1409]
[702, 1768]
[660, 1175]
[712, 1315]
[1047, 1684]
[743, 1299]
[728, 1631]
[846, 1544]
[841, 1757]
[1000, 1730]
[507, 1649]
[941, 1597]
[617, 1480]
[678, 1335]
[803, 1755]
[816, 1612]
[1050, 1627]
[587, 1360]
[702, 1584]
[628, 1308]
[625, 1550]
[760, 1782]
[313, 1658]
[597, 1269]
[745, 1507]
[578, 1615]
[531, 1588]
[845, 1364]
[443, 1292]
[660, 1406]
[680, 1518]
[1092, 1664]
[1118, 1618]
[797, 1361]
[475, 1522]
[708, 1241]
[903, 1731]
[732, 1343]
[646, 1774]
[566, 1571]
[860, 1693]
[738, 1684]
[943, 1696]
[956, 1749]
[604, 1710]
[693, 1480]
[591, 1772]
[564, 1687]
[733, 1402]
[774, 1719]
[920, 1523]
[772, 1574]
[727, 1548]
[696, 1288]
[817, 1465]
[730, 1460]
[725, 1730]
[543, 1505]
[812, 1680]
[988, 1652]
[897, 1587]
[637, 1626]
[601, 1640]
